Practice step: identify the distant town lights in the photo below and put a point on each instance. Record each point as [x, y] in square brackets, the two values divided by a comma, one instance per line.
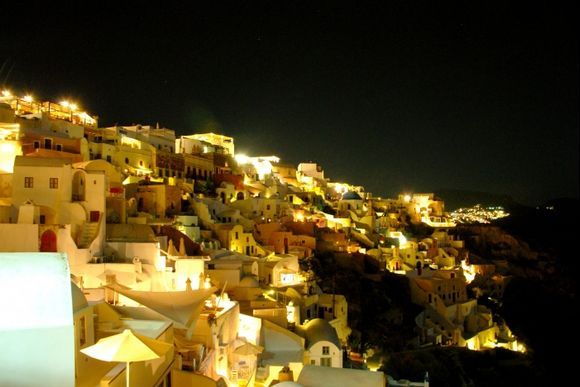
[6, 93]
[28, 98]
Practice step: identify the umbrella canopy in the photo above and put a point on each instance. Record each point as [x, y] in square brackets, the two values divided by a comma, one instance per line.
[180, 307]
[127, 346]
[182, 251]
[171, 250]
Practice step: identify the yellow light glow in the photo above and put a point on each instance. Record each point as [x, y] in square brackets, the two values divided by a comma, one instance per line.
[299, 216]
[8, 151]
[28, 98]
[340, 188]
[242, 159]
[467, 271]
[6, 93]
[290, 315]
[65, 103]
[73, 106]
[407, 198]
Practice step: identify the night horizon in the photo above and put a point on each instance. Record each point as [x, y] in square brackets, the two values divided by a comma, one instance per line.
[395, 99]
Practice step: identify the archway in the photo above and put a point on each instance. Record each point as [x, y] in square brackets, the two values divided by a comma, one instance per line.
[240, 196]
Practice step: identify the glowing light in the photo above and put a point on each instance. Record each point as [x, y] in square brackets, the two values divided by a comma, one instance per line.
[6, 93]
[65, 103]
[290, 314]
[299, 216]
[340, 188]
[467, 271]
[73, 106]
[8, 151]
[242, 159]
[28, 98]
[407, 198]
[398, 235]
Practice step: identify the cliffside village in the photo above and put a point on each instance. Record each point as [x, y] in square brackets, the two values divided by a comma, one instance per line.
[185, 241]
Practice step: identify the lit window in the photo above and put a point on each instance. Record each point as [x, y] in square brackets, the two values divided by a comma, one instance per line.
[326, 350]
[53, 182]
[29, 182]
[287, 278]
[82, 331]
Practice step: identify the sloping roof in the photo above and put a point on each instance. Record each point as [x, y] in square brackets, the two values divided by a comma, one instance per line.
[315, 376]
[24, 161]
[319, 330]
[130, 233]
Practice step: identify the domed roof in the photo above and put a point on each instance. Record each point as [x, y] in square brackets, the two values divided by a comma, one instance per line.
[249, 282]
[79, 300]
[320, 330]
[351, 195]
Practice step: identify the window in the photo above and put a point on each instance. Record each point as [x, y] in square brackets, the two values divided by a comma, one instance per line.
[29, 182]
[109, 158]
[48, 143]
[36, 144]
[59, 147]
[237, 236]
[140, 163]
[267, 207]
[325, 361]
[126, 160]
[53, 182]
[312, 362]
[82, 331]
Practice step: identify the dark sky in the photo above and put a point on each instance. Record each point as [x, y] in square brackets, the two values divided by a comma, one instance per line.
[478, 96]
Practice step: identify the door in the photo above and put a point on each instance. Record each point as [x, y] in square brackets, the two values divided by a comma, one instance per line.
[48, 242]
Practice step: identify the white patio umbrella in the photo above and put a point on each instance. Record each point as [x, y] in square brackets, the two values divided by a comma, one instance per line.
[182, 251]
[127, 347]
[171, 250]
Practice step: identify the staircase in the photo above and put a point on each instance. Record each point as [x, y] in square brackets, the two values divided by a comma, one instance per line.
[88, 234]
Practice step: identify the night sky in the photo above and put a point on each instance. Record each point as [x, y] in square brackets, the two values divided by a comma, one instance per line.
[479, 96]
